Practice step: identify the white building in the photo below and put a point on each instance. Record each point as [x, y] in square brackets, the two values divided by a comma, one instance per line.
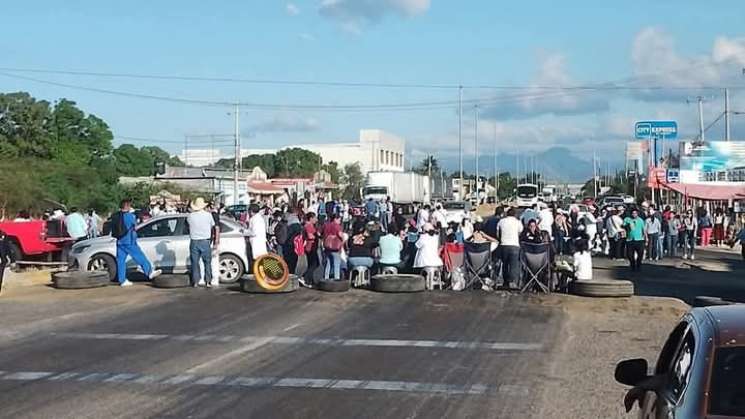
[375, 150]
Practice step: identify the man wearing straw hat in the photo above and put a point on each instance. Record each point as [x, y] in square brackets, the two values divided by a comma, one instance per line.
[201, 223]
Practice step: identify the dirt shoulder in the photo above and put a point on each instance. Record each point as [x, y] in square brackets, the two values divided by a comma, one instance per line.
[597, 334]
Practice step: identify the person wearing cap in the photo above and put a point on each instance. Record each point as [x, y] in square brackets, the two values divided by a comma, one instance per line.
[201, 224]
[428, 248]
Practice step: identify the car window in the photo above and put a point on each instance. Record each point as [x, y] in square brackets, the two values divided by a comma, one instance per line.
[680, 370]
[161, 228]
[727, 394]
[224, 227]
[672, 344]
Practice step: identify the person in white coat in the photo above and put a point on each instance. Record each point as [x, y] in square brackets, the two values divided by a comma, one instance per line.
[256, 232]
[428, 248]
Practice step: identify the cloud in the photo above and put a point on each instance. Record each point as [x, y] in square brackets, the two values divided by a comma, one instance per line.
[540, 99]
[292, 9]
[285, 123]
[656, 62]
[353, 15]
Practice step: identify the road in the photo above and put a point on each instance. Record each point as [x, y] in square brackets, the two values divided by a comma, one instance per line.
[143, 352]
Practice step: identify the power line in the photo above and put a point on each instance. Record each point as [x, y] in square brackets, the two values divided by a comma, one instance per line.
[600, 86]
[159, 140]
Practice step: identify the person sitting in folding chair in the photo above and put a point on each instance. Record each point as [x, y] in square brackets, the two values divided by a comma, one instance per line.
[478, 267]
[453, 258]
[535, 259]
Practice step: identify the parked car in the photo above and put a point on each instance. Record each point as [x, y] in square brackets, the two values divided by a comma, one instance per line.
[36, 238]
[456, 211]
[612, 200]
[165, 242]
[700, 372]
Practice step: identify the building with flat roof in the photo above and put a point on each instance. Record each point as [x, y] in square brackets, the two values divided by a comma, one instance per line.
[375, 150]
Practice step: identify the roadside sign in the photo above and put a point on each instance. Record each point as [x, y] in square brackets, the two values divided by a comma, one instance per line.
[645, 130]
[656, 177]
[673, 175]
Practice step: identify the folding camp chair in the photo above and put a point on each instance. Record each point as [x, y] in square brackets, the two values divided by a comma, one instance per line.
[535, 259]
[453, 259]
[478, 264]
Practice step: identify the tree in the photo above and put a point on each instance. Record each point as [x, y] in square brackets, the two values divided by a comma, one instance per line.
[353, 182]
[424, 167]
[265, 161]
[131, 161]
[296, 162]
[332, 168]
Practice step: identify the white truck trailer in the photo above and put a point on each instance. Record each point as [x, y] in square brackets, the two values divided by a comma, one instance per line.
[404, 188]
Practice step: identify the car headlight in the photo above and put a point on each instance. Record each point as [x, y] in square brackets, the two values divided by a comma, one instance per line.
[80, 249]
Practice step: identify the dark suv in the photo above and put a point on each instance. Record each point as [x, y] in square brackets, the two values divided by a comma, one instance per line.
[700, 372]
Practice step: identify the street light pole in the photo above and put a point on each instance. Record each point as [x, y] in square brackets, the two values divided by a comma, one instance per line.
[237, 162]
[496, 167]
[726, 116]
[476, 147]
[460, 140]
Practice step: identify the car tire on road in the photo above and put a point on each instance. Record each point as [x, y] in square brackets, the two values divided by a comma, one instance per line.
[704, 301]
[102, 262]
[171, 281]
[398, 283]
[249, 285]
[15, 250]
[76, 280]
[602, 288]
[334, 286]
[231, 268]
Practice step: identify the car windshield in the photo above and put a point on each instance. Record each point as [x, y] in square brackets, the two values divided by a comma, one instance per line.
[527, 191]
[454, 206]
[727, 395]
[376, 190]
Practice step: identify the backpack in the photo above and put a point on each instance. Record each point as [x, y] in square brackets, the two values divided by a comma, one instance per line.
[298, 243]
[118, 229]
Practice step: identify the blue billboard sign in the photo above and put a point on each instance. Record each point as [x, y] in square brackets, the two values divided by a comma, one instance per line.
[645, 130]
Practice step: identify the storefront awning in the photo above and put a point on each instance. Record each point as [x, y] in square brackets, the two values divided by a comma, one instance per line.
[708, 192]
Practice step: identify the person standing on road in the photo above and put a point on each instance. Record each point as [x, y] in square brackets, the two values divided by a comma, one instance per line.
[201, 224]
[332, 246]
[123, 225]
[256, 232]
[93, 224]
[310, 235]
[635, 239]
[6, 257]
[671, 235]
[614, 228]
[689, 239]
[705, 227]
[508, 234]
[653, 229]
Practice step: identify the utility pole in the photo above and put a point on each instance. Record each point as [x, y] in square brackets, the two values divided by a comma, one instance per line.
[460, 140]
[186, 149]
[476, 147]
[496, 167]
[701, 118]
[237, 163]
[727, 132]
[595, 174]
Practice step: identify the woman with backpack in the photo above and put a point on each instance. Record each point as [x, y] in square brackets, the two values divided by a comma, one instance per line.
[332, 245]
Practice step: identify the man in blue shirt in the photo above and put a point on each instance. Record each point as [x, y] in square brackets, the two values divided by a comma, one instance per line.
[127, 246]
[76, 225]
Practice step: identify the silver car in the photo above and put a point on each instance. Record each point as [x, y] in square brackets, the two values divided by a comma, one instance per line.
[165, 242]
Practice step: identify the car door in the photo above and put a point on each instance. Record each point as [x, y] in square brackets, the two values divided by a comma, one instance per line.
[159, 241]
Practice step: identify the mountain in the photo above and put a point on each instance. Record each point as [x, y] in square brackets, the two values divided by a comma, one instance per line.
[556, 164]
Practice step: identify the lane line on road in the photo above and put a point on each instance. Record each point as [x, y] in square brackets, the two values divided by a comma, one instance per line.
[120, 378]
[296, 340]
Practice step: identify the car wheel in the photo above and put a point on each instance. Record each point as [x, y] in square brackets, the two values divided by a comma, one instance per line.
[15, 250]
[231, 268]
[103, 263]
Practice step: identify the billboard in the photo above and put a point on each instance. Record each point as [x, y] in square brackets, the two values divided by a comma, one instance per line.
[706, 161]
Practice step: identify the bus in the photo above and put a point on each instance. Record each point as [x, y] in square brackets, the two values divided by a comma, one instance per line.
[527, 195]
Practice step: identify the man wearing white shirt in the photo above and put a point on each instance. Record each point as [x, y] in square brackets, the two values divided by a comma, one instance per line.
[546, 216]
[201, 224]
[422, 218]
[256, 232]
[508, 233]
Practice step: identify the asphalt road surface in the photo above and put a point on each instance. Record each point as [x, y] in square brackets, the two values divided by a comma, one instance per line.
[143, 352]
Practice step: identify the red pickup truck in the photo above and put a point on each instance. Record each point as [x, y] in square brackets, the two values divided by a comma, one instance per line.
[35, 237]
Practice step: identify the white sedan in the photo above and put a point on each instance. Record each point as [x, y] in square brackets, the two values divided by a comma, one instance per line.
[165, 242]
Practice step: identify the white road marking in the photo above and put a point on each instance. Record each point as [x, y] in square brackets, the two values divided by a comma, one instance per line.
[232, 354]
[294, 326]
[268, 382]
[27, 375]
[257, 341]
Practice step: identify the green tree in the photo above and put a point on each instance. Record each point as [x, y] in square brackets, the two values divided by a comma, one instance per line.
[131, 161]
[353, 182]
[424, 166]
[265, 161]
[296, 162]
[157, 154]
[332, 168]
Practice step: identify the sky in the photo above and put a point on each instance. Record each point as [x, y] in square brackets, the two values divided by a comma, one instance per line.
[512, 57]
